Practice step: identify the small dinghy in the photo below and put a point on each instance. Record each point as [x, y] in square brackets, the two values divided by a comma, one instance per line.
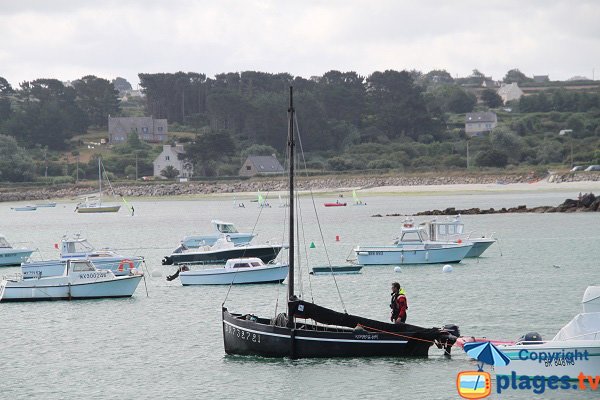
[337, 270]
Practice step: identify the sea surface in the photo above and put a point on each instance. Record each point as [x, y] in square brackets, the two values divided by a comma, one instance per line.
[166, 341]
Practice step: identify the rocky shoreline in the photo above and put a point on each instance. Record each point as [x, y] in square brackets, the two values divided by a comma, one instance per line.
[263, 184]
[586, 203]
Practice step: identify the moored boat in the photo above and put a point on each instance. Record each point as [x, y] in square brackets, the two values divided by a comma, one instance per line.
[574, 350]
[80, 280]
[336, 270]
[220, 228]
[336, 204]
[412, 247]
[24, 208]
[79, 248]
[235, 271]
[311, 331]
[10, 255]
[95, 205]
[454, 231]
[220, 252]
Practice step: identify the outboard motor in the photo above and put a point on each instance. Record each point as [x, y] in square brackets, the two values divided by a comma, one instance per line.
[452, 329]
[167, 261]
[530, 337]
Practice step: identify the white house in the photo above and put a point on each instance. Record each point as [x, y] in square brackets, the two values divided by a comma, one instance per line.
[170, 156]
[510, 92]
[479, 123]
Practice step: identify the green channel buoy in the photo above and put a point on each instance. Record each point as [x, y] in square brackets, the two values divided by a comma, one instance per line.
[312, 245]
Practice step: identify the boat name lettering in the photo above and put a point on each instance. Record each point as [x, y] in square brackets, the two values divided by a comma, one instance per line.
[93, 275]
[367, 337]
[242, 334]
[551, 356]
[559, 362]
[375, 253]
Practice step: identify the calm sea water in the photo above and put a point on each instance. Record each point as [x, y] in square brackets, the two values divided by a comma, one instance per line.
[169, 344]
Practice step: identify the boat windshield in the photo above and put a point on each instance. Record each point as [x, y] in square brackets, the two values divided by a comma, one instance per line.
[411, 236]
[226, 228]
[79, 266]
[241, 265]
[80, 246]
[450, 229]
[4, 243]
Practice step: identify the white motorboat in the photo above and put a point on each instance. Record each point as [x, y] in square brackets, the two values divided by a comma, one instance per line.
[11, 256]
[454, 231]
[413, 247]
[235, 271]
[220, 228]
[79, 248]
[575, 349]
[80, 280]
[49, 204]
[221, 251]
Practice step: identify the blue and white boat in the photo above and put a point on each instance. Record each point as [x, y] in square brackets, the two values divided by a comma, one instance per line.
[221, 228]
[49, 204]
[80, 280]
[454, 231]
[11, 256]
[24, 208]
[413, 247]
[80, 248]
[575, 349]
[235, 271]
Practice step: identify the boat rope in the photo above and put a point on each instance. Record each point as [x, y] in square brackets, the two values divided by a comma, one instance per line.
[317, 215]
[398, 334]
[2, 288]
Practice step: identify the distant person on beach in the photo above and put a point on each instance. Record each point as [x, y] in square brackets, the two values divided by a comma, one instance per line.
[398, 304]
[132, 211]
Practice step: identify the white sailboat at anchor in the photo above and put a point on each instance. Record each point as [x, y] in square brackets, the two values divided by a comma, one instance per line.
[94, 204]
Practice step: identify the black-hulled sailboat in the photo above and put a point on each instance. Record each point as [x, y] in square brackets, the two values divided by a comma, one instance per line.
[332, 334]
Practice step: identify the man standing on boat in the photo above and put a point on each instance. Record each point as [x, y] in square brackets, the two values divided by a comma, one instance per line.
[399, 304]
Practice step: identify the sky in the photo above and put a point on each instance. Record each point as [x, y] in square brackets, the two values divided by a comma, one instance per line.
[68, 39]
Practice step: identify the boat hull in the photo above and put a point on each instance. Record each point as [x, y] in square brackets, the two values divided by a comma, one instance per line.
[61, 289]
[259, 338]
[101, 209]
[222, 276]
[339, 270]
[400, 255]
[120, 266]
[195, 241]
[9, 257]
[265, 253]
[479, 246]
[334, 204]
[524, 359]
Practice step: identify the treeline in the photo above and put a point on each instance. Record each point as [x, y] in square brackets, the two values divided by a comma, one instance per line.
[46, 113]
[338, 109]
[560, 100]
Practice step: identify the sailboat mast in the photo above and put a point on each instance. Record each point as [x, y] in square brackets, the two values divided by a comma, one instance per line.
[291, 178]
[100, 175]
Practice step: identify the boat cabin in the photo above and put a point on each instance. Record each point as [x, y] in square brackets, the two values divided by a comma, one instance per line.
[249, 262]
[447, 230]
[411, 234]
[224, 227]
[75, 247]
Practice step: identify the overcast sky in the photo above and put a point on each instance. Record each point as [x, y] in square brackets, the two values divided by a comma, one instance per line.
[68, 39]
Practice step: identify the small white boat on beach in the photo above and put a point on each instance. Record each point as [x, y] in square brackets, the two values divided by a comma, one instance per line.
[79, 248]
[79, 280]
[412, 247]
[575, 349]
[11, 256]
[454, 231]
[220, 228]
[24, 208]
[235, 271]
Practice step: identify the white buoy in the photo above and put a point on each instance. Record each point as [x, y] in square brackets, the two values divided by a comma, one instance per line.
[156, 273]
[397, 269]
[447, 268]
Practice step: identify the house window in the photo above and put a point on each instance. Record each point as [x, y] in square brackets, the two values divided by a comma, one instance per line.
[248, 167]
[145, 129]
[167, 158]
[160, 128]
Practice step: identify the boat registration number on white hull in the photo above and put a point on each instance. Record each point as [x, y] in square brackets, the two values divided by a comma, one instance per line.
[559, 362]
[242, 334]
